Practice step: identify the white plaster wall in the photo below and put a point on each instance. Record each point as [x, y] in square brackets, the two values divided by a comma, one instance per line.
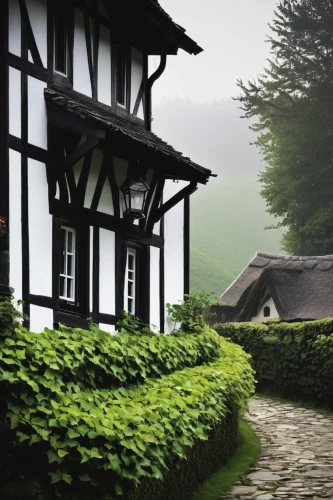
[136, 75]
[40, 318]
[107, 328]
[104, 67]
[37, 11]
[93, 177]
[15, 102]
[173, 250]
[120, 170]
[14, 25]
[107, 277]
[15, 237]
[40, 230]
[155, 287]
[259, 318]
[37, 117]
[81, 76]
[106, 202]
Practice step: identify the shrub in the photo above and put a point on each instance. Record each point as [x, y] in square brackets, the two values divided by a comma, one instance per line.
[189, 313]
[103, 414]
[289, 358]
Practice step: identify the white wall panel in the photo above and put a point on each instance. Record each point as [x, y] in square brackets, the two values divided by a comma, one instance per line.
[140, 112]
[38, 19]
[37, 117]
[106, 202]
[107, 278]
[93, 177]
[155, 287]
[14, 26]
[81, 76]
[173, 250]
[259, 318]
[136, 75]
[108, 328]
[104, 67]
[15, 102]
[40, 318]
[15, 236]
[40, 230]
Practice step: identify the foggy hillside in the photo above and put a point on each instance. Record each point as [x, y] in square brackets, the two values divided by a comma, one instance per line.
[228, 215]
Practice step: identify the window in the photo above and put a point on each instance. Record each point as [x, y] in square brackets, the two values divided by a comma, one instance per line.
[60, 41]
[130, 283]
[121, 76]
[267, 312]
[68, 264]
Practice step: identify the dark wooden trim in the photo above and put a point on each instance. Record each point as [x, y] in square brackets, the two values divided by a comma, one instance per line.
[41, 301]
[154, 206]
[87, 31]
[73, 320]
[74, 123]
[28, 67]
[188, 190]
[55, 261]
[29, 35]
[119, 274]
[110, 222]
[96, 270]
[113, 186]
[50, 38]
[128, 89]
[33, 152]
[107, 319]
[146, 286]
[83, 180]
[4, 106]
[162, 285]
[113, 53]
[99, 186]
[187, 244]
[81, 151]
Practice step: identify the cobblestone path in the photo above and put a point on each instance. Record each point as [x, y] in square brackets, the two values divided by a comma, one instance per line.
[296, 460]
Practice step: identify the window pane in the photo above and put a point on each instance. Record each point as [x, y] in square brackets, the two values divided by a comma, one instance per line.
[121, 75]
[60, 41]
[70, 288]
[130, 275]
[70, 265]
[70, 242]
[63, 251]
[130, 288]
[130, 306]
[131, 262]
[62, 286]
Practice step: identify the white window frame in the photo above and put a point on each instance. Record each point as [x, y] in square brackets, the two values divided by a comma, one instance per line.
[66, 253]
[54, 42]
[127, 297]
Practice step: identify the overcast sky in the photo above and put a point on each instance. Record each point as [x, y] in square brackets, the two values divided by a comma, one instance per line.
[232, 34]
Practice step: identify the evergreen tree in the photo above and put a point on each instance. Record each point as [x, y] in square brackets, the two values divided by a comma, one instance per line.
[293, 104]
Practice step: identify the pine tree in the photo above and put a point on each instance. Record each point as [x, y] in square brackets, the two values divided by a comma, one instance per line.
[293, 105]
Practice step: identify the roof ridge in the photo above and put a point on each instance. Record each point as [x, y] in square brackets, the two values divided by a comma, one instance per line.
[273, 256]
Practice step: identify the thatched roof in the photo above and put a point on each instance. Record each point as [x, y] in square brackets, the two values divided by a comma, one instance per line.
[301, 287]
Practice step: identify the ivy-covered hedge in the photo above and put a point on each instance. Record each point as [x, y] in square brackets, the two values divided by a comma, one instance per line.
[105, 416]
[289, 358]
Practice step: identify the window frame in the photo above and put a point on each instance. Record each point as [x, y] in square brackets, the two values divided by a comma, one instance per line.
[67, 254]
[80, 304]
[267, 309]
[131, 252]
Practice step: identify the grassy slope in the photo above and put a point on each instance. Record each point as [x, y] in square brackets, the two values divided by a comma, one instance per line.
[236, 467]
[228, 218]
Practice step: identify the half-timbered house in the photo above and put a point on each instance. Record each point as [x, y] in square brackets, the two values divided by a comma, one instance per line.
[97, 205]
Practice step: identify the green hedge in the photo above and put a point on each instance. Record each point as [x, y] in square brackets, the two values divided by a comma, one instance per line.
[82, 409]
[289, 358]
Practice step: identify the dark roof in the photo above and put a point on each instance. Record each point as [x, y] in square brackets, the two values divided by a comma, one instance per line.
[147, 23]
[134, 135]
[301, 287]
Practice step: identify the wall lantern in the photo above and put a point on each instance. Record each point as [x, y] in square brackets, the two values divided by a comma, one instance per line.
[135, 192]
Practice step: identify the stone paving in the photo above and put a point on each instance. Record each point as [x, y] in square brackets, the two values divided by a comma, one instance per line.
[296, 460]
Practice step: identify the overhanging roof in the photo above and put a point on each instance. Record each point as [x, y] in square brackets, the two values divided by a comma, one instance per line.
[134, 137]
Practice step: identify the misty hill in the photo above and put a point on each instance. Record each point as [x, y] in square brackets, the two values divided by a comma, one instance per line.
[228, 215]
